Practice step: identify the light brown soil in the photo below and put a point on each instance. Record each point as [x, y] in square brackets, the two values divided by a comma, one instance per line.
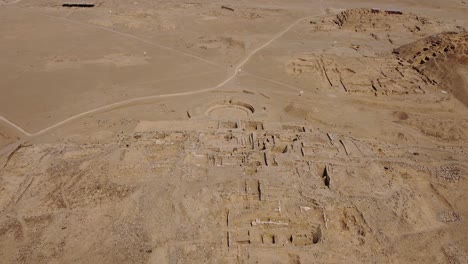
[276, 132]
[442, 59]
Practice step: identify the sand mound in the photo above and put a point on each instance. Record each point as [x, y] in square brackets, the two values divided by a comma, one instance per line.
[372, 20]
[447, 46]
[229, 43]
[387, 26]
[368, 19]
[442, 59]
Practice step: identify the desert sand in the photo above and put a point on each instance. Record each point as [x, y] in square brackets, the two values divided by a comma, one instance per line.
[259, 131]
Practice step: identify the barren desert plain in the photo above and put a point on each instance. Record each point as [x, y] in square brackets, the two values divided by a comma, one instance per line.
[234, 131]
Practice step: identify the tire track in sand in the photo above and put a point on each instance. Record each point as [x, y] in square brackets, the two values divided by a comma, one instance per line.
[233, 75]
[127, 35]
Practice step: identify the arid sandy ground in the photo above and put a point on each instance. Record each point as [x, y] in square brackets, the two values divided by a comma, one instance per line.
[265, 132]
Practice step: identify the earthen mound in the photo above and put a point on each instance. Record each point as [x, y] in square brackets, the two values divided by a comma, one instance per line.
[376, 19]
[442, 59]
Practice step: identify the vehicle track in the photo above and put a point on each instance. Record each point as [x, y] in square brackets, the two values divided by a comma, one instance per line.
[233, 75]
[12, 3]
[137, 38]
[15, 126]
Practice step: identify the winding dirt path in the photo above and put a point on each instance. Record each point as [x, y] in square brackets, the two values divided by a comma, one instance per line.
[237, 70]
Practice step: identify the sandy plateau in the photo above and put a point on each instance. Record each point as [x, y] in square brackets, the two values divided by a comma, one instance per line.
[260, 131]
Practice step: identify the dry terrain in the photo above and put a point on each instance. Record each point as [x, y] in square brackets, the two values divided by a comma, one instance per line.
[260, 131]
